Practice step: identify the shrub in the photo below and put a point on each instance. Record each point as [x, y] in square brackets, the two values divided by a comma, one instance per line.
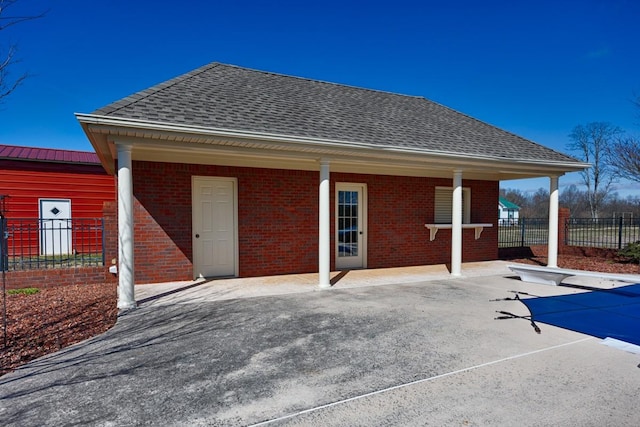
[631, 251]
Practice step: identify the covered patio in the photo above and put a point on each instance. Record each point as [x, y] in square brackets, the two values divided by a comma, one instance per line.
[358, 142]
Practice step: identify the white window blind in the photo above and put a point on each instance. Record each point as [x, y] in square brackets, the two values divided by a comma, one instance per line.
[444, 205]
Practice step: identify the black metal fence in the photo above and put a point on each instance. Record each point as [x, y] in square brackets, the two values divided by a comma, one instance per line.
[611, 233]
[3, 245]
[35, 243]
[523, 232]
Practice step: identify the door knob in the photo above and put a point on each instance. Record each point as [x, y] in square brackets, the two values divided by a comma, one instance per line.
[197, 236]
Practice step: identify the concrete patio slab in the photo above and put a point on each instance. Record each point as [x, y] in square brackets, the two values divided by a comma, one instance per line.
[365, 353]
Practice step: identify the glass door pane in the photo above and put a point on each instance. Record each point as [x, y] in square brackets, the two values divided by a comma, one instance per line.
[348, 230]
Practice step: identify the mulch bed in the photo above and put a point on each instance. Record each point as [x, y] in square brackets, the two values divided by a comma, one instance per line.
[52, 319]
[60, 316]
[574, 262]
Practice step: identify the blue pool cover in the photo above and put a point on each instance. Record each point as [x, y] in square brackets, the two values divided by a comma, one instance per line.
[603, 313]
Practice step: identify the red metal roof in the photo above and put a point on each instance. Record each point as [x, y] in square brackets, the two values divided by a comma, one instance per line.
[15, 152]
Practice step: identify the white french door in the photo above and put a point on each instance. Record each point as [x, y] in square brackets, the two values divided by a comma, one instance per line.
[215, 234]
[351, 242]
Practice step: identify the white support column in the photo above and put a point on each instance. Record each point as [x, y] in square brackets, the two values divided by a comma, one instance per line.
[126, 293]
[456, 225]
[324, 229]
[552, 248]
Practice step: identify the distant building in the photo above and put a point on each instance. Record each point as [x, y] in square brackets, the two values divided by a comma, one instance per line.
[508, 212]
[45, 189]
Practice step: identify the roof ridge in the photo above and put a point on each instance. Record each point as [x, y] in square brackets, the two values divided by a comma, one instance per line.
[233, 97]
[424, 98]
[310, 79]
[138, 96]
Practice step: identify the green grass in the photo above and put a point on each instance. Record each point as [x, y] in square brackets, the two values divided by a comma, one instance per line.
[592, 236]
[23, 291]
[16, 262]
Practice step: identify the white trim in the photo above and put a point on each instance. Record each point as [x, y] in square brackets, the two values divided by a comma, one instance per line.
[42, 238]
[433, 228]
[97, 124]
[363, 219]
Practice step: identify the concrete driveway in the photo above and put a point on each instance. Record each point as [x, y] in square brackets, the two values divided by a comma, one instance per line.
[365, 353]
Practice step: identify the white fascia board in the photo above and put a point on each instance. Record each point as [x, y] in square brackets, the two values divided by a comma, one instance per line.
[157, 130]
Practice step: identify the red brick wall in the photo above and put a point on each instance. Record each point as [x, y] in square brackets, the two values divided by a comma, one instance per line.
[278, 220]
[399, 207]
[110, 234]
[52, 277]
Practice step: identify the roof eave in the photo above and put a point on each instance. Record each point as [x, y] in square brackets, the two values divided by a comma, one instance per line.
[98, 127]
[100, 144]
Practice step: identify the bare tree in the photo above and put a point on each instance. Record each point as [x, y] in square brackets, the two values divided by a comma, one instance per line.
[8, 55]
[514, 196]
[624, 156]
[636, 101]
[571, 197]
[624, 153]
[593, 141]
[539, 207]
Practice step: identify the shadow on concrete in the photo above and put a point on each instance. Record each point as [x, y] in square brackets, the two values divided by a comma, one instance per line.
[172, 292]
[339, 277]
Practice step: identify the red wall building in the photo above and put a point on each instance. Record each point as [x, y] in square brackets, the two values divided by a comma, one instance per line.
[53, 184]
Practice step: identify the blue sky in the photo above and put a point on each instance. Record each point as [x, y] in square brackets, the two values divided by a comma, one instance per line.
[535, 68]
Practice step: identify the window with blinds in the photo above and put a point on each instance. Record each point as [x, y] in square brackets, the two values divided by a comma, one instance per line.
[444, 205]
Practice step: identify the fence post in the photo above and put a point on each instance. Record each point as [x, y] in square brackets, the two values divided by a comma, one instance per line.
[3, 254]
[620, 233]
[522, 233]
[104, 255]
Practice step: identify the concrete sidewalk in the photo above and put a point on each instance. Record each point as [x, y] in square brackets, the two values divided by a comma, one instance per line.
[223, 289]
[408, 352]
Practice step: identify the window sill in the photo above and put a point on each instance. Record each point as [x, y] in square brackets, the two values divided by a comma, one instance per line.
[433, 228]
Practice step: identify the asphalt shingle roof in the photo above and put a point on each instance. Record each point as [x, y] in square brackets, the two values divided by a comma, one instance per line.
[228, 97]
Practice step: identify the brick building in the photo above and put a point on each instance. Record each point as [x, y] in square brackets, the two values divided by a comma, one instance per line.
[226, 171]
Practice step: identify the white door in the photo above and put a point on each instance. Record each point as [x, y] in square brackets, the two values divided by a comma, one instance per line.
[55, 226]
[351, 242]
[214, 227]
